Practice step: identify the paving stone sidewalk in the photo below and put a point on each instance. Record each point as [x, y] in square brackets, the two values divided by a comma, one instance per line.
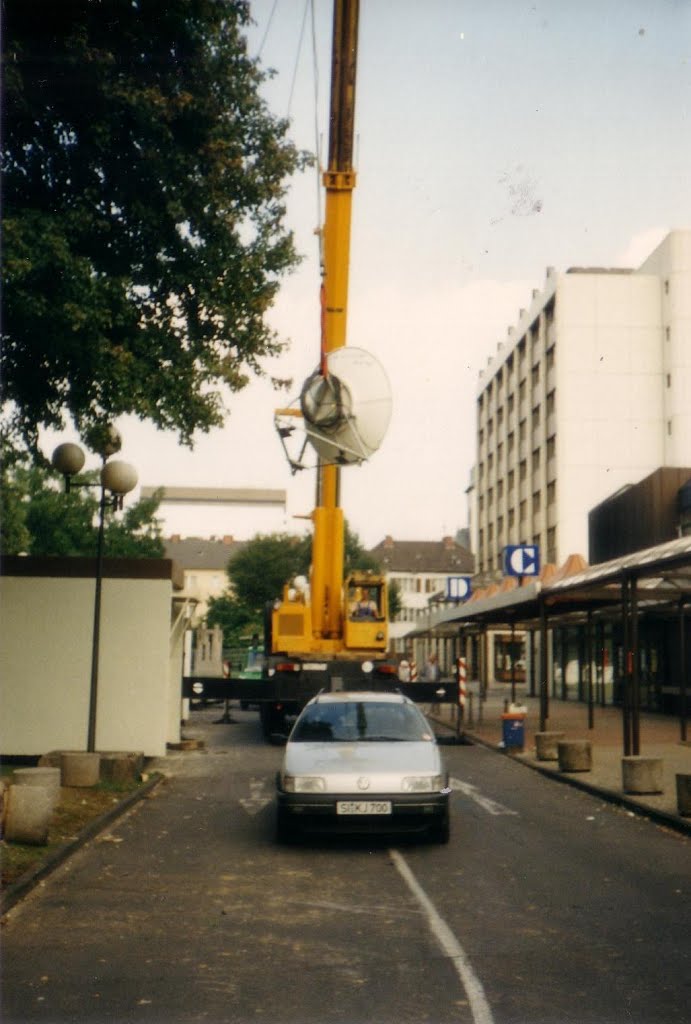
[660, 737]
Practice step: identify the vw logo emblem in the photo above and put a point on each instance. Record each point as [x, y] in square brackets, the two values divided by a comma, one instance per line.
[363, 783]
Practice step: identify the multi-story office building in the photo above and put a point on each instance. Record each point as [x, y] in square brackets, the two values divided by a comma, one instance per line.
[591, 392]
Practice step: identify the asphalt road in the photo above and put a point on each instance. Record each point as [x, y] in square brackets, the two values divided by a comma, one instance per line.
[547, 906]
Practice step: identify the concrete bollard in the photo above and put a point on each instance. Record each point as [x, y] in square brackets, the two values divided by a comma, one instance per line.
[684, 794]
[80, 769]
[28, 813]
[124, 766]
[575, 755]
[49, 778]
[641, 774]
[546, 745]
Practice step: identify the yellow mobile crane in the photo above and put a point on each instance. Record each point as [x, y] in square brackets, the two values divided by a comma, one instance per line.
[328, 631]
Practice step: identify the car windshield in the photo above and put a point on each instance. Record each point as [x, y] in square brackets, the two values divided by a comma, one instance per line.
[360, 721]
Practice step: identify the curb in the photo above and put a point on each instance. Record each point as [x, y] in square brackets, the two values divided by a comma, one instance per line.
[30, 879]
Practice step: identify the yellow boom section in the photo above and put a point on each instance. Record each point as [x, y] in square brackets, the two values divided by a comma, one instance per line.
[339, 181]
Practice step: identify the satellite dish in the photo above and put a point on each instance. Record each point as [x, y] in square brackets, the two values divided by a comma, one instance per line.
[347, 412]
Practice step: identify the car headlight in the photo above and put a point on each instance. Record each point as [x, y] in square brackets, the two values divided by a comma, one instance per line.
[303, 783]
[423, 784]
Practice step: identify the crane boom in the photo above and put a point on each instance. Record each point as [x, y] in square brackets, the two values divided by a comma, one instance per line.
[330, 623]
[339, 181]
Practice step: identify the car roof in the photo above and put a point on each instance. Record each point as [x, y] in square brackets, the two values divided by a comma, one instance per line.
[360, 696]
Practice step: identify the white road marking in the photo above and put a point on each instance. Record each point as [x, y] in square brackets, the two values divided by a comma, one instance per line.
[257, 799]
[491, 806]
[450, 945]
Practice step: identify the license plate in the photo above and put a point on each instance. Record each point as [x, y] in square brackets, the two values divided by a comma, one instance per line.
[363, 807]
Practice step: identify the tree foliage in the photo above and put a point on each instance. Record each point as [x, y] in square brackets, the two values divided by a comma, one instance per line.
[144, 185]
[38, 518]
[395, 600]
[237, 622]
[259, 570]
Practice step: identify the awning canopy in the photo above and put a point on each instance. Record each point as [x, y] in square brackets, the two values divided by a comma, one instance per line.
[662, 575]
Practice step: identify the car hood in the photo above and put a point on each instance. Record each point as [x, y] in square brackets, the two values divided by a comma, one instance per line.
[342, 764]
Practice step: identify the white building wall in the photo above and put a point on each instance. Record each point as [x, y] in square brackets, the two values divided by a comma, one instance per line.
[671, 263]
[609, 419]
[45, 664]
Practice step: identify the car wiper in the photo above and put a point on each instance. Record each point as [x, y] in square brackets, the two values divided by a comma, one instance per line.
[382, 739]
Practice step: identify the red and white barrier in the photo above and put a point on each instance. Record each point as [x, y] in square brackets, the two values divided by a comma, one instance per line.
[462, 681]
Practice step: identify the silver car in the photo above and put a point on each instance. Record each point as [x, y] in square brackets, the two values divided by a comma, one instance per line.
[362, 762]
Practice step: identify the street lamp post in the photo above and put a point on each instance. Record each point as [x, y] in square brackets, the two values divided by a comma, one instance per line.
[117, 479]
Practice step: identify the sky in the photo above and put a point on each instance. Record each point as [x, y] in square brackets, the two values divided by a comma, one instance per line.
[494, 138]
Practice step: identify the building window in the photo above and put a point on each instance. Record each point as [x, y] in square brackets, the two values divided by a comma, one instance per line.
[551, 447]
[667, 287]
[536, 417]
[551, 493]
[669, 380]
[523, 470]
[523, 508]
[522, 430]
[535, 376]
[669, 428]
[512, 480]
[552, 545]
[668, 333]
[536, 501]
[536, 460]
[551, 402]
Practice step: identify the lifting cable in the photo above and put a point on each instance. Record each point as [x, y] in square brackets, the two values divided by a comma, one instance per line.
[319, 230]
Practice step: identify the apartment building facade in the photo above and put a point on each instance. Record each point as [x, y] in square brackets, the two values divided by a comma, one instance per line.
[591, 392]
[421, 570]
[203, 562]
